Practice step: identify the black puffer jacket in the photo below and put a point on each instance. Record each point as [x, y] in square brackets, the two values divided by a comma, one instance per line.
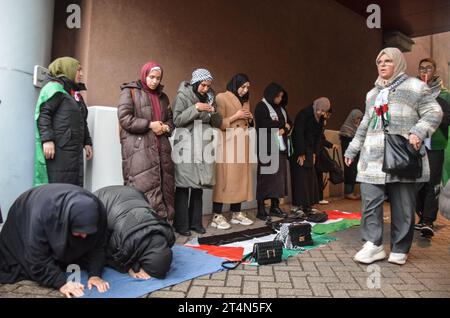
[138, 238]
[62, 120]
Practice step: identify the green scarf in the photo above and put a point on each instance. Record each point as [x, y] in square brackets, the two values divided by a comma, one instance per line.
[40, 165]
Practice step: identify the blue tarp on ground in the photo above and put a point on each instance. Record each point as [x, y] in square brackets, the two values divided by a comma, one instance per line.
[187, 264]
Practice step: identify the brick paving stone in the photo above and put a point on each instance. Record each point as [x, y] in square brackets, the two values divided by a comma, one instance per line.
[233, 281]
[281, 277]
[409, 294]
[241, 296]
[183, 287]
[259, 278]
[275, 285]
[323, 279]
[268, 293]
[250, 288]
[213, 296]
[365, 293]
[208, 282]
[343, 286]
[339, 294]
[167, 294]
[389, 291]
[32, 290]
[300, 282]
[266, 270]
[434, 294]
[320, 289]
[412, 287]
[196, 292]
[224, 290]
[294, 292]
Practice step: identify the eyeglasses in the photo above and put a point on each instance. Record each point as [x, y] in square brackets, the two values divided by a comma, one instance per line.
[385, 62]
[425, 69]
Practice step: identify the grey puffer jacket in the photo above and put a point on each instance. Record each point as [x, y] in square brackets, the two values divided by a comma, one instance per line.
[191, 168]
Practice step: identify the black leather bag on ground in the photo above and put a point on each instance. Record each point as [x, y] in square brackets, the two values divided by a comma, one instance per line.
[264, 253]
[317, 217]
[268, 252]
[300, 234]
[400, 157]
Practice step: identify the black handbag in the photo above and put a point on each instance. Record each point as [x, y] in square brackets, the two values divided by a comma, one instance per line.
[300, 234]
[264, 253]
[331, 165]
[268, 252]
[400, 158]
[336, 173]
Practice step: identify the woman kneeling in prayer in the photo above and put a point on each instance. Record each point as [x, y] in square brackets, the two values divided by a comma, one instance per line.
[139, 240]
[50, 228]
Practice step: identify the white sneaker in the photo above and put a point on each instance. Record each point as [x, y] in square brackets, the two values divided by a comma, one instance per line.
[220, 222]
[397, 258]
[370, 253]
[324, 202]
[241, 218]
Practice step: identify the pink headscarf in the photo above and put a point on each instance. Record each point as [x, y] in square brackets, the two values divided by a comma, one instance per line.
[152, 94]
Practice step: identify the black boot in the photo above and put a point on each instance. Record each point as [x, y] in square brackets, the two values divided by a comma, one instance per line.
[275, 209]
[262, 213]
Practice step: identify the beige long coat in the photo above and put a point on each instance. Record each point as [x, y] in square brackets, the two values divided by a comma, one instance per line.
[234, 182]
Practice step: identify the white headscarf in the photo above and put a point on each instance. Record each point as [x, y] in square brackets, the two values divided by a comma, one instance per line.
[386, 85]
[399, 65]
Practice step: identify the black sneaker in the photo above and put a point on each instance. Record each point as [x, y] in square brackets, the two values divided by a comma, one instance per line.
[199, 230]
[427, 230]
[276, 211]
[418, 226]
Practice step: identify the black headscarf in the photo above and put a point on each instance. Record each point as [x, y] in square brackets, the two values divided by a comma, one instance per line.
[235, 83]
[139, 237]
[80, 220]
[37, 236]
[271, 92]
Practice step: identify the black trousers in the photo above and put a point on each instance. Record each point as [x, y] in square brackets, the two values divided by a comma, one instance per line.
[188, 209]
[320, 183]
[234, 207]
[428, 195]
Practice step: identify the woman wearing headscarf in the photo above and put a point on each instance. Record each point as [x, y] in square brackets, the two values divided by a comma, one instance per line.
[139, 240]
[50, 228]
[61, 128]
[409, 109]
[194, 114]
[306, 141]
[346, 134]
[273, 127]
[146, 124]
[234, 173]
